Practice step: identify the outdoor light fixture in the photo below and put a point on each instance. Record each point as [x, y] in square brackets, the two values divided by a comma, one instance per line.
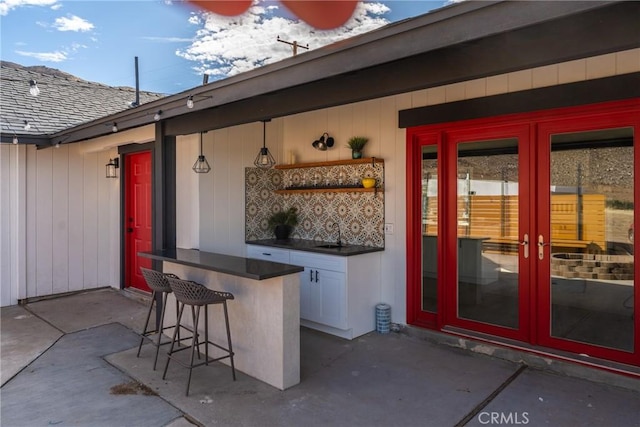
[114, 128]
[264, 159]
[156, 116]
[33, 88]
[201, 165]
[57, 145]
[112, 166]
[15, 139]
[27, 125]
[190, 101]
[322, 144]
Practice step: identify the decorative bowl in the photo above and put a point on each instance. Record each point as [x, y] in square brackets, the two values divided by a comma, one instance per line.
[368, 182]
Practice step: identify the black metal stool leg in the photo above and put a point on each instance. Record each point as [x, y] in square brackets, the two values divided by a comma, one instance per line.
[206, 334]
[226, 322]
[161, 328]
[173, 342]
[146, 324]
[193, 349]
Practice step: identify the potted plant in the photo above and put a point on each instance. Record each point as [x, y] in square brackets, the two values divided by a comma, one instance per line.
[357, 143]
[282, 222]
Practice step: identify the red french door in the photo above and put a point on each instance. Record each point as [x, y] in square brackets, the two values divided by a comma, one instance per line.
[469, 228]
[587, 274]
[486, 238]
[137, 217]
[522, 227]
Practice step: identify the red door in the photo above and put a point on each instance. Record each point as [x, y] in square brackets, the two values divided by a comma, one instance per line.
[137, 217]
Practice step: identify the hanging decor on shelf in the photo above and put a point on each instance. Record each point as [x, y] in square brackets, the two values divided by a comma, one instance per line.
[357, 143]
[264, 159]
[201, 165]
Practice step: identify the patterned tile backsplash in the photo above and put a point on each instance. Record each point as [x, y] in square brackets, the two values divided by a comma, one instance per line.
[360, 215]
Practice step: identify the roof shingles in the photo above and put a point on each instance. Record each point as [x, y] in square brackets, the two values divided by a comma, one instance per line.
[61, 104]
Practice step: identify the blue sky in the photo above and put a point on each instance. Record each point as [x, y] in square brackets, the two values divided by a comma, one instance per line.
[175, 42]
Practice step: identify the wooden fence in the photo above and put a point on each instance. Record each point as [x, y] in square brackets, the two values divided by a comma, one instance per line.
[576, 221]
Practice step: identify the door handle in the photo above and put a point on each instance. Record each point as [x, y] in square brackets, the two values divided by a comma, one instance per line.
[316, 276]
[311, 275]
[541, 245]
[525, 244]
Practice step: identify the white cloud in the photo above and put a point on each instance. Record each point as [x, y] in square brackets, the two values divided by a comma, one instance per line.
[7, 5]
[168, 39]
[45, 56]
[72, 23]
[226, 46]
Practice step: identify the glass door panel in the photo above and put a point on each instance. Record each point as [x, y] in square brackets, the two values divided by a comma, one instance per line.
[591, 237]
[429, 202]
[487, 232]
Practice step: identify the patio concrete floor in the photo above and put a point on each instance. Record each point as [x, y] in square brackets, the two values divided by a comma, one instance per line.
[61, 359]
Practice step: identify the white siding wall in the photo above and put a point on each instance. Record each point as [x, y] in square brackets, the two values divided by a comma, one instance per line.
[12, 223]
[222, 202]
[59, 217]
[73, 217]
[187, 192]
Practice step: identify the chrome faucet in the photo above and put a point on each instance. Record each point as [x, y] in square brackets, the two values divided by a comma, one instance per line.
[339, 242]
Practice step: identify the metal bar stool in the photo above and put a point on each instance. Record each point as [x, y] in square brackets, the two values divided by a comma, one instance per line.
[158, 284]
[196, 295]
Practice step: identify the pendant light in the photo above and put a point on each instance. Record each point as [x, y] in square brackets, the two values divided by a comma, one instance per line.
[264, 159]
[201, 165]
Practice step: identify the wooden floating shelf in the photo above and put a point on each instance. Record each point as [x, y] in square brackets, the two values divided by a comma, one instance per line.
[364, 160]
[331, 190]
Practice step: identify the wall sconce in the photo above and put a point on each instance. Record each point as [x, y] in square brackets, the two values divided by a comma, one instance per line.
[201, 165]
[190, 102]
[157, 115]
[33, 88]
[114, 128]
[27, 125]
[264, 159]
[112, 166]
[15, 139]
[322, 144]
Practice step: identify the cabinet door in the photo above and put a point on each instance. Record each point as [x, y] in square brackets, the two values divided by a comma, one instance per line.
[329, 292]
[306, 295]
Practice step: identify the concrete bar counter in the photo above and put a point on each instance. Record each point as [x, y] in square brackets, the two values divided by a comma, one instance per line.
[264, 317]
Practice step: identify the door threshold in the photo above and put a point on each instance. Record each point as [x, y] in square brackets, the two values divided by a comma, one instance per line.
[555, 361]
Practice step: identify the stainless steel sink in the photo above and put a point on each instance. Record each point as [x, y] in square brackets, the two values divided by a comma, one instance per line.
[330, 246]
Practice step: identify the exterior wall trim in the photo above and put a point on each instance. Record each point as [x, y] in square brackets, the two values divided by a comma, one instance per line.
[614, 88]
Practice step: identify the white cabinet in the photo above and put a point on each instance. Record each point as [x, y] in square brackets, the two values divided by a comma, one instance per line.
[323, 288]
[323, 297]
[338, 294]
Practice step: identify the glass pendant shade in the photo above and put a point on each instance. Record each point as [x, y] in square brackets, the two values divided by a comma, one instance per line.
[201, 165]
[264, 159]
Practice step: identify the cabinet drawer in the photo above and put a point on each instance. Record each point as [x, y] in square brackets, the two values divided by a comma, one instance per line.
[325, 262]
[268, 254]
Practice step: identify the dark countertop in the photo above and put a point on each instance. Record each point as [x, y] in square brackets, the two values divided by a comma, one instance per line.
[228, 264]
[312, 246]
